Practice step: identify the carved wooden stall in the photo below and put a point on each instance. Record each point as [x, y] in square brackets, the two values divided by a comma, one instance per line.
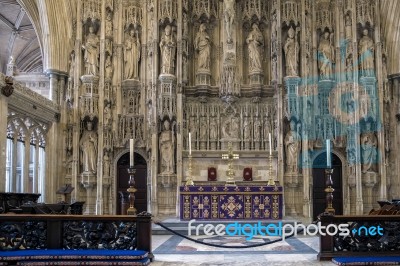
[64, 237]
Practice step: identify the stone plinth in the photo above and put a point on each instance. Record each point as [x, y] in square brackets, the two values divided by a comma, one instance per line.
[166, 193]
[235, 143]
[89, 182]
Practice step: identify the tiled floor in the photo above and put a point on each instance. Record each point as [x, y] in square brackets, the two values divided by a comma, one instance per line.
[174, 250]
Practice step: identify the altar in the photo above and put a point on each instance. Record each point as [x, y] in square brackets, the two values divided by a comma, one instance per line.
[219, 202]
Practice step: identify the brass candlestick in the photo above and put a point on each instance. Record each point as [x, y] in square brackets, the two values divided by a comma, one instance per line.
[189, 180]
[271, 181]
[131, 210]
[329, 192]
[230, 156]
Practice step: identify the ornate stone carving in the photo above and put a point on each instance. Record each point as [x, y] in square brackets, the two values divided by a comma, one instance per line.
[292, 50]
[255, 44]
[229, 15]
[207, 8]
[292, 149]
[168, 10]
[326, 56]
[366, 55]
[202, 45]
[369, 150]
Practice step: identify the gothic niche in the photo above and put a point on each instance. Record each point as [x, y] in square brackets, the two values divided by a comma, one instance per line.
[91, 47]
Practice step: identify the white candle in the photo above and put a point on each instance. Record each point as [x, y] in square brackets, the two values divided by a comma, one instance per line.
[328, 153]
[190, 144]
[131, 152]
[270, 144]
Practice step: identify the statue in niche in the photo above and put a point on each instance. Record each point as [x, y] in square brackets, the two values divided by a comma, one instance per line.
[349, 69]
[348, 27]
[107, 113]
[230, 128]
[255, 42]
[369, 152]
[326, 57]
[274, 28]
[229, 15]
[106, 164]
[366, 55]
[108, 68]
[132, 55]
[91, 56]
[109, 24]
[257, 126]
[203, 129]
[202, 45]
[274, 68]
[185, 25]
[292, 147]
[168, 50]
[267, 129]
[291, 49]
[166, 147]
[246, 130]
[71, 66]
[213, 129]
[88, 149]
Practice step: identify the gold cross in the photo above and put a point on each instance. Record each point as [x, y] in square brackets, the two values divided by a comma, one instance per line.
[230, 156]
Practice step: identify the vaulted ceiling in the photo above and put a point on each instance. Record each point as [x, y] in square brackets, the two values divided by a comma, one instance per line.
[18, 39]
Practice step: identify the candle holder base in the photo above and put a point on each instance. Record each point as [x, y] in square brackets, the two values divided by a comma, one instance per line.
[329, 191]
[131, 190]
[271, 182]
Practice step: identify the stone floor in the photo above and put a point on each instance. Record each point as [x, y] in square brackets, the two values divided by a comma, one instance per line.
[175, 250]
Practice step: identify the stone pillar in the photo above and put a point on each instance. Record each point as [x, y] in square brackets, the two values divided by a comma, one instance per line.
[6, 91]
[396, 179]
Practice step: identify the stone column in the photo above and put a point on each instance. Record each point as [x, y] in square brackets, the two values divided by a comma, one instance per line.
[396, 179]
[6, 91]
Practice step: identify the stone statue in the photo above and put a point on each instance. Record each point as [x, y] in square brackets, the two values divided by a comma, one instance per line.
[257, 126]
[132, 55]
[108, 68]
[326, 57]
[91, 55]
[369, 146]
[109, 24]
[107, 114]
[106, 165]
[229, 14]
[349, 69]
[202, 45]
[203, 129]
[348, 27]
[255, 42]
[366, 53]
[292, 147]
[274, 28]
[168, 50]
[291, 49]
[71, 66]
[88, 149]
[213, 129]
[246, 130]
[230, 128]
[166, 147]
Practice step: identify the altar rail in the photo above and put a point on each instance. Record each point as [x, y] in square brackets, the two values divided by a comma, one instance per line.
[75, 232]
[363, 244]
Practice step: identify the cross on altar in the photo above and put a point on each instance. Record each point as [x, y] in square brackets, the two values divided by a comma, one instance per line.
[230, 156]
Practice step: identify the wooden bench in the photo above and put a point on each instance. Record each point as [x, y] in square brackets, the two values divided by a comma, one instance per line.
[75, 239]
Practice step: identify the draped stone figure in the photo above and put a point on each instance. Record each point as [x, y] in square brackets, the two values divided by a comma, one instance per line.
[166, 147]
[88, 149]
[369, 145]
[91, 56]
[213, 129]
[229, 15]
[168, 50]
[202, 45]
[326, 57]
[108, 68]
[132, 55]
[255, 42]
[348, 33]
[291, 49]
[366, 54]
[109, 24]
[292, 147]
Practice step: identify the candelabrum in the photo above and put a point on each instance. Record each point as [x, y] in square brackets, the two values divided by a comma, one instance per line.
[271, 181]
[329, 192]
[230, 156]
[189, 180]
[131, 190]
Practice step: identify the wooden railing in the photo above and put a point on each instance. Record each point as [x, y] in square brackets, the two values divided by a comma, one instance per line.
[360, 241]
[19, 231]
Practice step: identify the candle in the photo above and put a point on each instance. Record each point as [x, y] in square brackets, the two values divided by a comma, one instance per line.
[190, 144]
[270, 144]
[131, 152]
[328, 153]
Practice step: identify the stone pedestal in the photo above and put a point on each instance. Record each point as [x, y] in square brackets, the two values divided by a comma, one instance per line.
[369, 181]
[291, 182]
[89, 99]
[89, 182]
[256, 78]
[257, 145]
[203, 144]
[247, 145]
[213, 145]
[166, 194]
[203, 77]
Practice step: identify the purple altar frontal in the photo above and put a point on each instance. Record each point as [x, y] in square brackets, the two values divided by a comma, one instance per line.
[231, 202]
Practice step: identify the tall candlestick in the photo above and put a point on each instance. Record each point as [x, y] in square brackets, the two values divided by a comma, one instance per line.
[328, 153]
[131, 153]
[270, 144]
[190, 144]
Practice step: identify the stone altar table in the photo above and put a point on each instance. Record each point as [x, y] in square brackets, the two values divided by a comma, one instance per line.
[220, 202]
